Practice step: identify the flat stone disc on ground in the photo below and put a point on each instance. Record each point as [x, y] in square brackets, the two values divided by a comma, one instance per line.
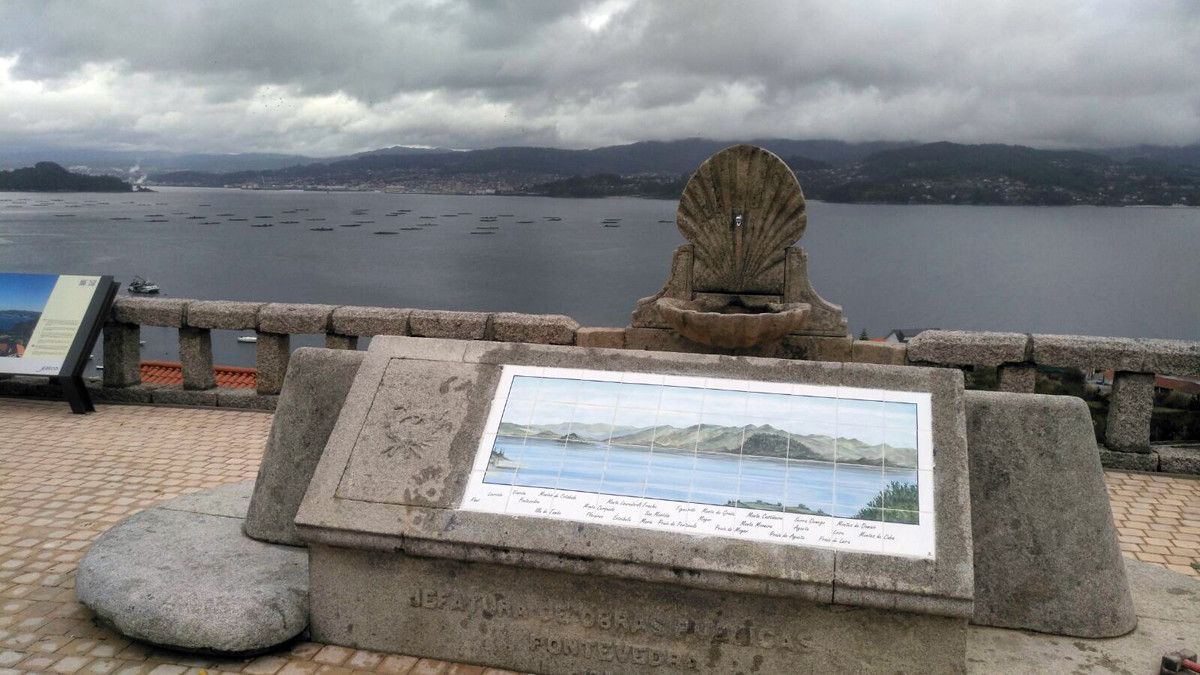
[192, 581]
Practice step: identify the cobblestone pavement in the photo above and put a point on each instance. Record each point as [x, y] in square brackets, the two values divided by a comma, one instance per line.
[66, 478]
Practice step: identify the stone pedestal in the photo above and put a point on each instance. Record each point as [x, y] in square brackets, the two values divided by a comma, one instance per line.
[401, 562]
[553, 622]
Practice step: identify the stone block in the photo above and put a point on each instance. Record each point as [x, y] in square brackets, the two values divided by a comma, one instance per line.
[1018, 378]
[394, 471]
[369, 321]
[176, 396]
[968, 348]
[223, 315]
[338, 341]
[245, 399]
[134, 394]
[1129, 408]
[291, 319]
[663, 340]
[196, 358]
[812, 348]
[1046, 550]
[183, 576]
[1088, 352]
[864, 351]
[271, 360]
[606, 338]
[168, 312]
[314, 389]
[1172, 357]
[1178, 458]
[122, 354]
[457, 325]
[547, 329]
[544, 621]
[1129, 461]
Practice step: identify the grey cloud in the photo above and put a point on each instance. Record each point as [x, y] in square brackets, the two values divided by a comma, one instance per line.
[331, 77]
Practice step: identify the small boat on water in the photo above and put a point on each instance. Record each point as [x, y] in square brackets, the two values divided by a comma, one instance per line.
[262, 225]
[350, 225]
[321, 229]
[385, 232]
[143, 286]
[524, 222]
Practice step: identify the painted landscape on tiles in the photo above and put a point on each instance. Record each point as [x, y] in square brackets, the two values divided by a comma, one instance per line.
[777, 452]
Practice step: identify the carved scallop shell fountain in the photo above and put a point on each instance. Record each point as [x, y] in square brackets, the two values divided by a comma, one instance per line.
[739, 283]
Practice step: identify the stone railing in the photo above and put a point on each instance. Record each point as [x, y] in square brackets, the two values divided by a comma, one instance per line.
[274, 324]
[1134, 363]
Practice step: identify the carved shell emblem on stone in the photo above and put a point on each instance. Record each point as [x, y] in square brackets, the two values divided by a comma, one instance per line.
[740, 210]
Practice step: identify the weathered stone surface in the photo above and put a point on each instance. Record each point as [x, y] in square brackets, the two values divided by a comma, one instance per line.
[223, 315]
[427, 607]
[864, 351]
[825, 318]
[314, 389]
[608, 338]
[392, 482]
[271, 360]
[1164, 357]
[1167, 621]
[457, 325]
[678, 285]
[1129, 461]
[352, 320]
[1046, 551]
[663, 340]
[338, 341]
[122, 354]
[176, 396]
[1129, 408]
[962, 348]
[1179, 458]
[547, 329]
[1018, 378]
[739, 237]
[246, 399]
[287, 318]
[819, 348]
[183, 576]
[167, 312]
[136, 394]
[196, 358]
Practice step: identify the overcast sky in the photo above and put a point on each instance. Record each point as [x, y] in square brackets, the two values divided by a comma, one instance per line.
[324, 78]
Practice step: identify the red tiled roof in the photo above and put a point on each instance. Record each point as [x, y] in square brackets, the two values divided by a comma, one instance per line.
[171, 372]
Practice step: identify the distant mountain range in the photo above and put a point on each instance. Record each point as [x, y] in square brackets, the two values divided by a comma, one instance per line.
[880, 171]
[15, 317]
[761, 440]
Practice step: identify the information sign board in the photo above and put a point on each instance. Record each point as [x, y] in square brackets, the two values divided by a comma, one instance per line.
[49, 324]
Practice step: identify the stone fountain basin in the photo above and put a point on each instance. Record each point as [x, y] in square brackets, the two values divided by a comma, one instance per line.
[733, 323]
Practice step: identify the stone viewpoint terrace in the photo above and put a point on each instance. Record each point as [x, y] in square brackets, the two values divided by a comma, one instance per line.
[64, 479]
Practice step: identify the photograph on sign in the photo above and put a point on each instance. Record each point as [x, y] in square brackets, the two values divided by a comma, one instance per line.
[808, 465]
[40, 316]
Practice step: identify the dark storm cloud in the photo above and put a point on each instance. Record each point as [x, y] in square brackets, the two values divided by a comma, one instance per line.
[330, 77]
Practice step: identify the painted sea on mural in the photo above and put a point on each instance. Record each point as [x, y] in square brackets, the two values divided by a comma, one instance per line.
[770, 451]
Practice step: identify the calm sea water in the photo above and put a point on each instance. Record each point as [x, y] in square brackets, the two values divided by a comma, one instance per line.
[1101, 271]
[706, 478]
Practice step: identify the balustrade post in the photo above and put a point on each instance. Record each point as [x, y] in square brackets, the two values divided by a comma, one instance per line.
[1129, 409]
[271, 360]
[122, 354]
[196, 357]
[1019, 378]
[338, 341]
